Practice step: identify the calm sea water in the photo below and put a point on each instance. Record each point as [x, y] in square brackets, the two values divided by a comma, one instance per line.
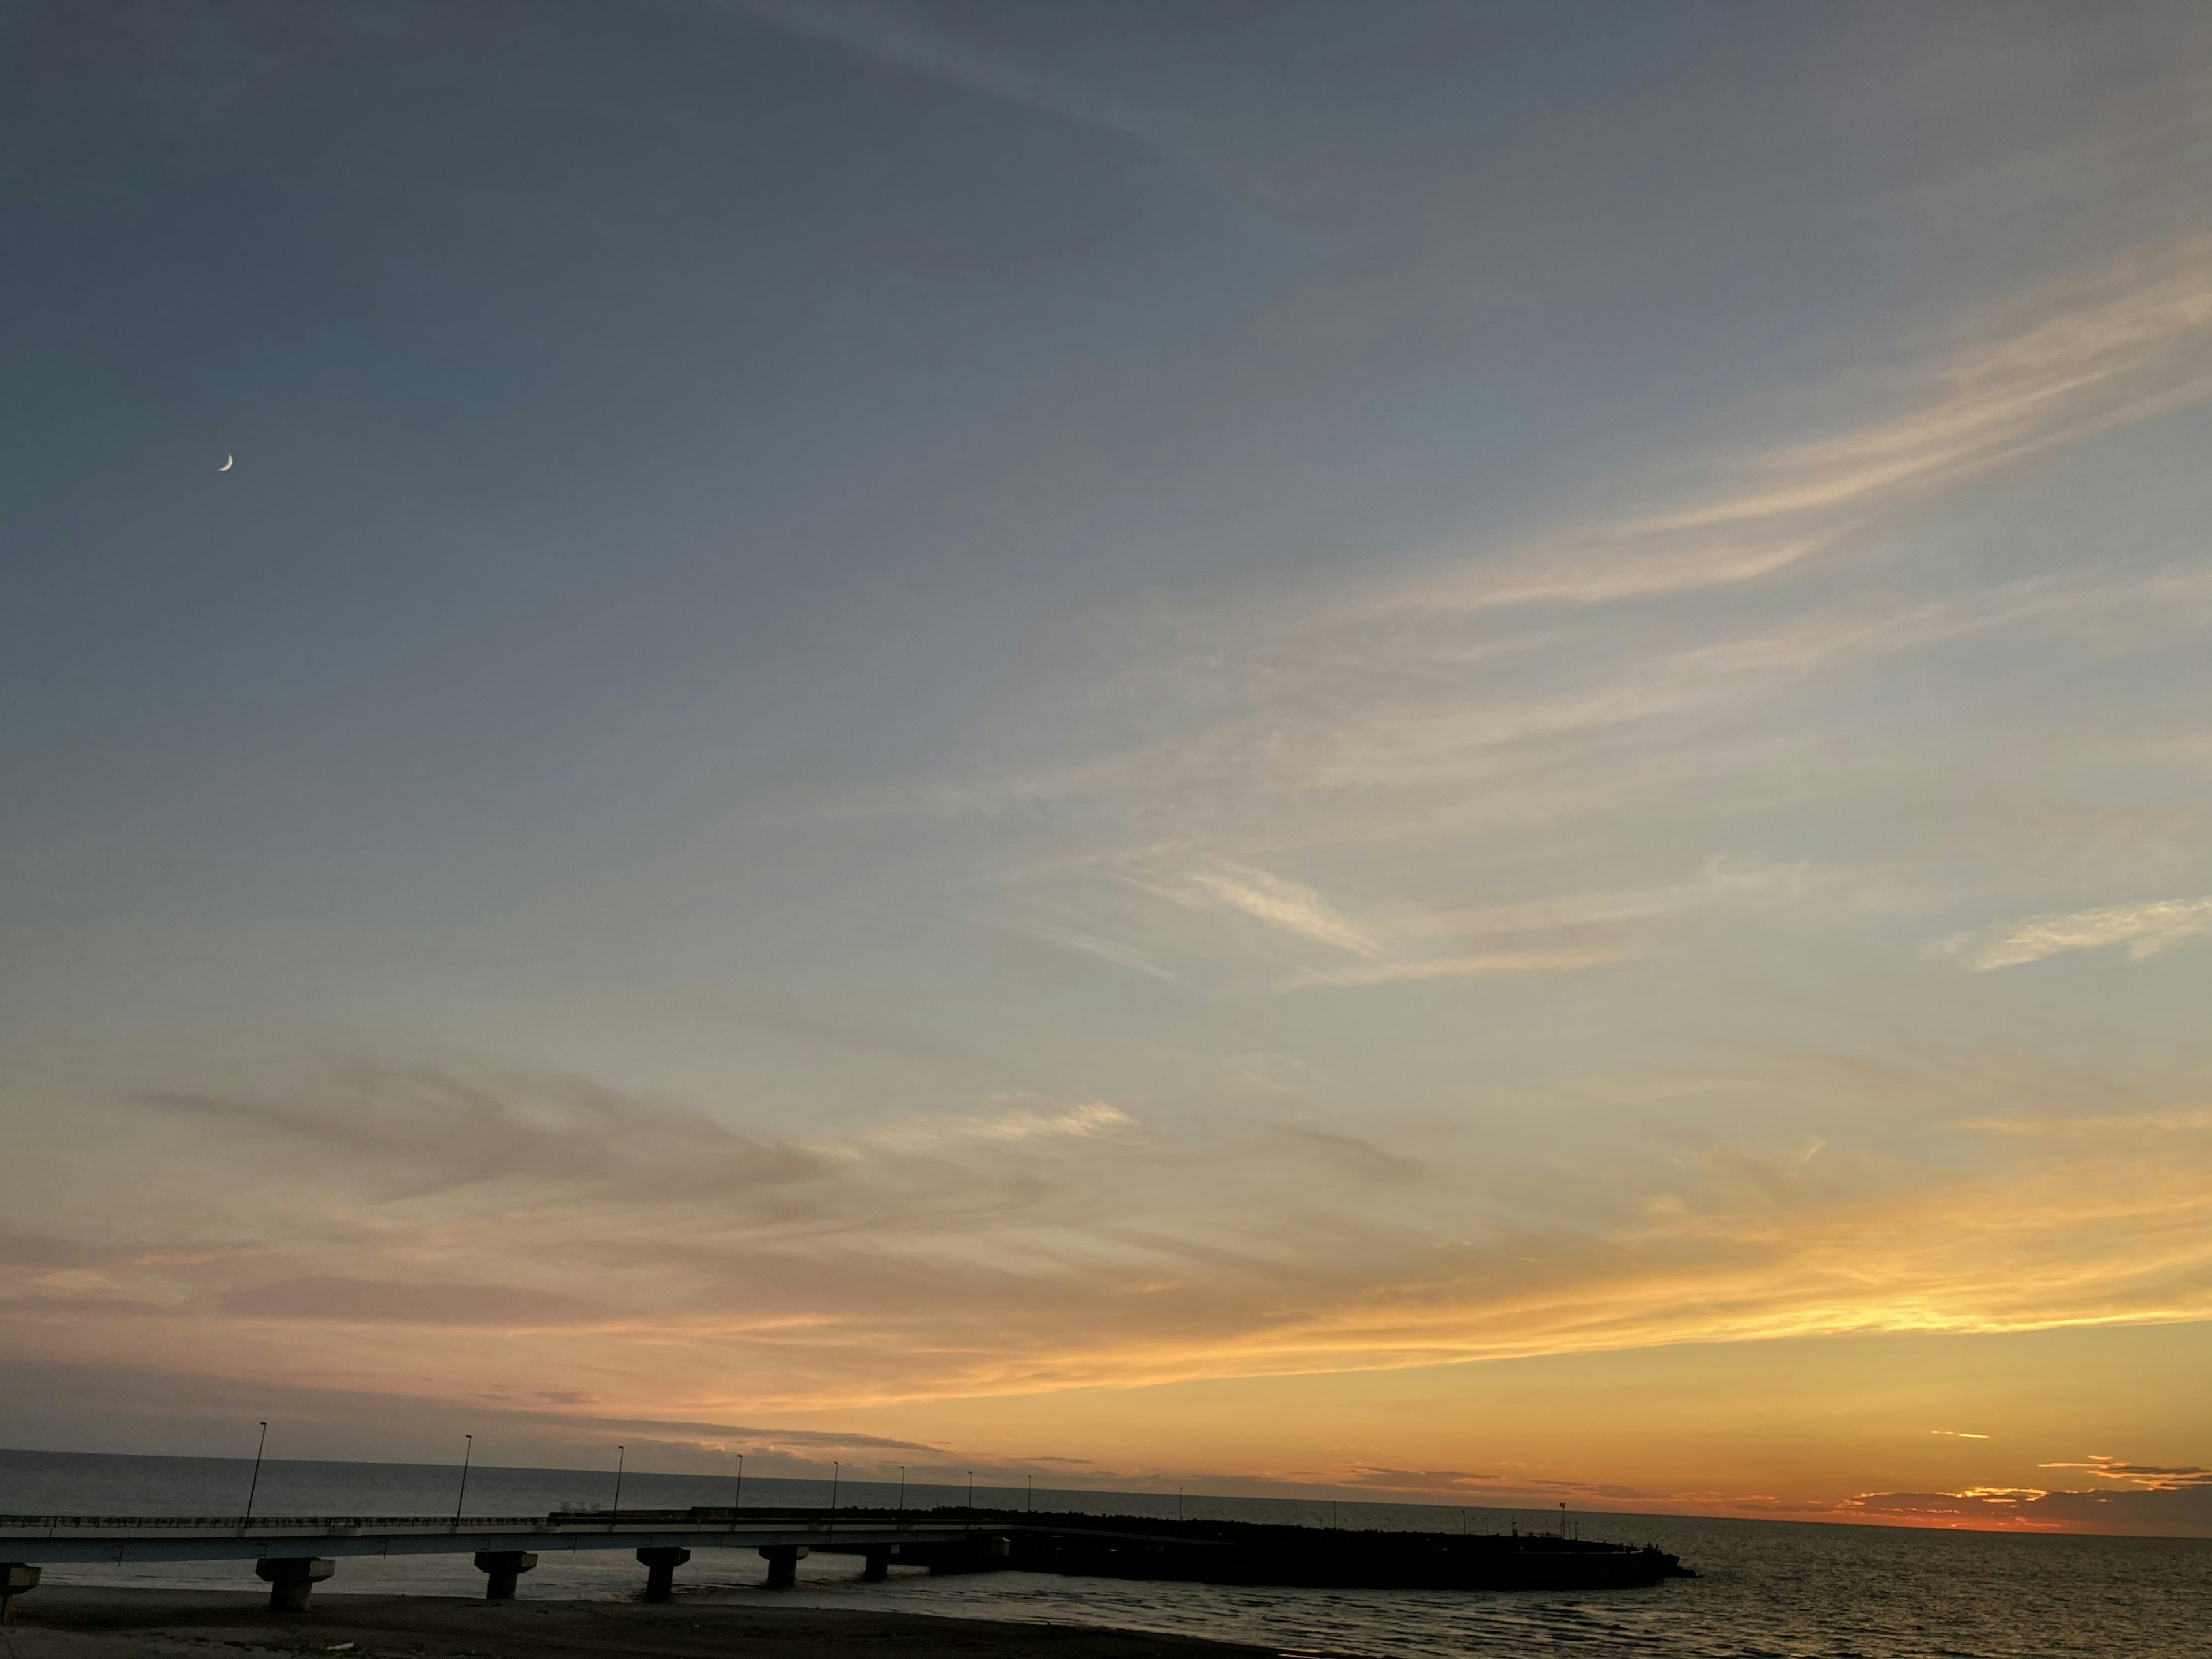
[1771, 1589]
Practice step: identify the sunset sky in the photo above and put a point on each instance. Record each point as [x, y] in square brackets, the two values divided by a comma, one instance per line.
[1458, 749]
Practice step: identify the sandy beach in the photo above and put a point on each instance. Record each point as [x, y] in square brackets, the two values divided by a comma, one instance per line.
[71, 1622]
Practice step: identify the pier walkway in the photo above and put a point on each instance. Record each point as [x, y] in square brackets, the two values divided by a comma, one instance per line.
[294, 1553]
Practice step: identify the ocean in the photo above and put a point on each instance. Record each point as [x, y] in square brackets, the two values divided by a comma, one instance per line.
[1767, 1590]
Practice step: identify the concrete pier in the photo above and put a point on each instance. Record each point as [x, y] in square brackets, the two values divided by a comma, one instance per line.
[878, 1567]
[660, 1565]
[501, 1569]
[290, 1577]
[782, 1564]
[15, 1577]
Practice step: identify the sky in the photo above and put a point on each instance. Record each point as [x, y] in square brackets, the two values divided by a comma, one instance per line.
[1451, 748]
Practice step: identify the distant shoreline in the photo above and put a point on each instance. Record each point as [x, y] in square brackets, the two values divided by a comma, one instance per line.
[76, 1621]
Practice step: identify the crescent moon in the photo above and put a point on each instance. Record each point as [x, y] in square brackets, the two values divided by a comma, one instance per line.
[227, 460]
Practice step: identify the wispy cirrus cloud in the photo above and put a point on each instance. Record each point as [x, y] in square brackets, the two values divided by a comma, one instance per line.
[2143, 929]
[1014, 1124]
[1290, 905]
[1294, 774]
[1403, 944]
[1531, 959]
[2109, 1127]
[2057, 365]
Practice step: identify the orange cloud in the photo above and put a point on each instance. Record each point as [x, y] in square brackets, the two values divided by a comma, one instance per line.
[1034, 1249]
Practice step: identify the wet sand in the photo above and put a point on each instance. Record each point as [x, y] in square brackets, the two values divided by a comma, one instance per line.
[75, 1622]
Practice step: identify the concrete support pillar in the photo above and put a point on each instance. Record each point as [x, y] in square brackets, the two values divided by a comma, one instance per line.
[782, 1564]
[878, 1567]
[289, 1577]
[660, 1564]
[974, 1555]
[15, 1577]
[501, 1569]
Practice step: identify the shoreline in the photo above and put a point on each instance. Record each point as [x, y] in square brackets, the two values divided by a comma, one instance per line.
[70, 1621]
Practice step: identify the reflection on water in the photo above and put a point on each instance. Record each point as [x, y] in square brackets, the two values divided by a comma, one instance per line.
[1786, 1589]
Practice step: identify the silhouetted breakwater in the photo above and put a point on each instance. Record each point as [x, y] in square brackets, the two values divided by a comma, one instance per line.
[1249, 1553]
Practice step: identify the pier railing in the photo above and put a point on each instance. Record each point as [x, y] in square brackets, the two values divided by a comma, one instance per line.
[595, 1519]
[261, 1523]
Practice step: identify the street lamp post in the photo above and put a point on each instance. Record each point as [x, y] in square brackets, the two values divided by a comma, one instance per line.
[254, 1485]
[621, 1454]
[468, 1456]
[738, 1501]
